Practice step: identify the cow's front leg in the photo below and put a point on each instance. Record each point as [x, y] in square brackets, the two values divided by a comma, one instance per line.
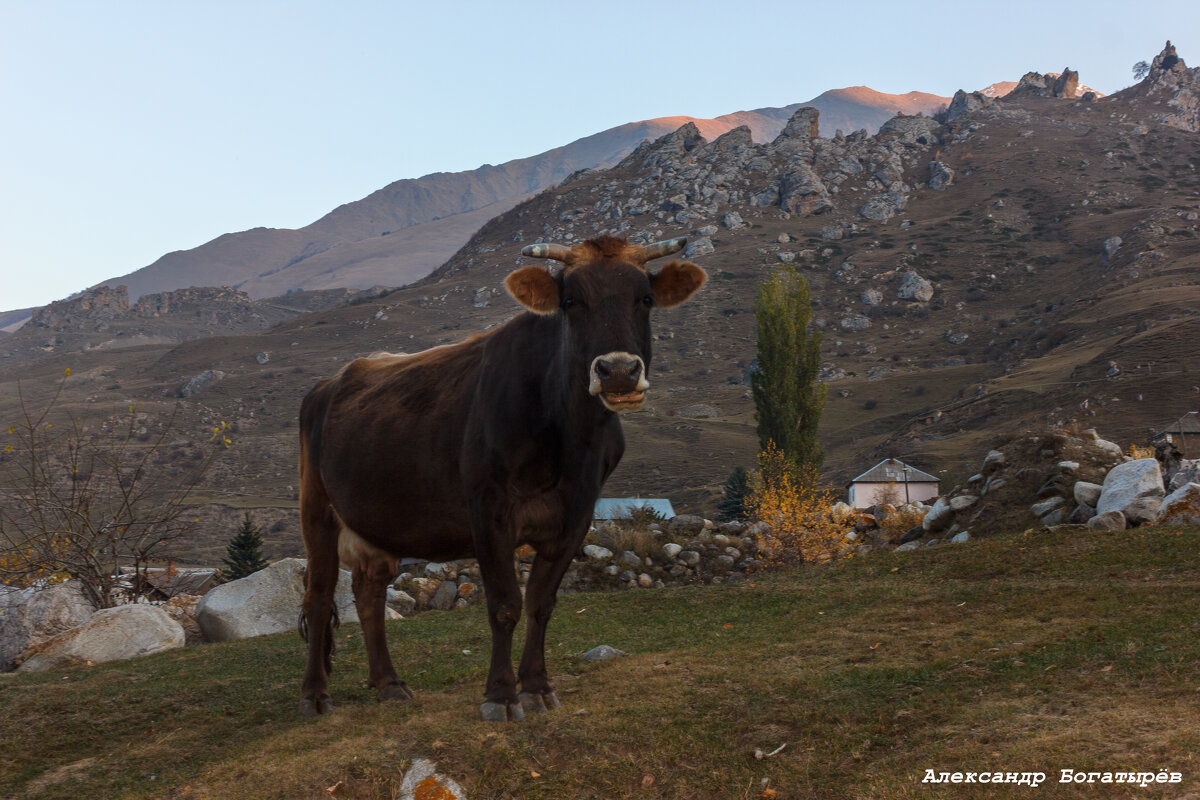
[504, 610]
[370, 581]
[541, 595]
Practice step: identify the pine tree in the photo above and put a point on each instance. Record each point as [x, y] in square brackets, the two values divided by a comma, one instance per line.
[788, 398]
[244, 555]
[733, 504]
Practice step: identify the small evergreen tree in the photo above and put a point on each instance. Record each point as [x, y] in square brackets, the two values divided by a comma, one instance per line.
[244, 555]
[733, 504]
[788, 398]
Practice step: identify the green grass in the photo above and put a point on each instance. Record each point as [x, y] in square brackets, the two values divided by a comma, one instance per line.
[1037, 651]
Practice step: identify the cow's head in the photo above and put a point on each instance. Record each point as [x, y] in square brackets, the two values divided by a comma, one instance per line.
[604, 294]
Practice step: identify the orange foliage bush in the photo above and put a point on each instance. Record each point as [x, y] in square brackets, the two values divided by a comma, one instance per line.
[798, 512]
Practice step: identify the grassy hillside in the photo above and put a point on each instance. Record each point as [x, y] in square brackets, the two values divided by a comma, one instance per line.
[1040, 651]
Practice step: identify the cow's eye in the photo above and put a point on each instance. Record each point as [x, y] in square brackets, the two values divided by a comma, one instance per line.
[648, 300]
[569, 302]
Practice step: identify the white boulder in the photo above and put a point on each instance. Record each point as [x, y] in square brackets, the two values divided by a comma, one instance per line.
[110, 634]
[267, 601]
[31, 616]
[1127, 482]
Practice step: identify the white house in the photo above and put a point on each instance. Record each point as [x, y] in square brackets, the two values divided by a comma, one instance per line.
[892, 481]
[620, 507]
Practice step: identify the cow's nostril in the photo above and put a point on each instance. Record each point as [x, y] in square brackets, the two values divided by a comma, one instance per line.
[635, 369]
[604, 369]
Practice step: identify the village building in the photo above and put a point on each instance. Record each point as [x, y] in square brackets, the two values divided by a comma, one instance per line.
[892, 481]
[1183, 433]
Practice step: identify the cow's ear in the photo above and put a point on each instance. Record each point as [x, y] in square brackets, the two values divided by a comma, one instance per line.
[535, 288]
[676, 282]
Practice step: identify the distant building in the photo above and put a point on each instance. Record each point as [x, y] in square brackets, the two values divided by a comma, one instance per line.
[619, 507]
[163, 583]
[892, 481]
[1184, 433]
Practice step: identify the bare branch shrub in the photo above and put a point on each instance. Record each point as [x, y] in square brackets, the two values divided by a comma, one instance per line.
[82, 498]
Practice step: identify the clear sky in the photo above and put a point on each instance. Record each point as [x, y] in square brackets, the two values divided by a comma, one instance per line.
[130, 129]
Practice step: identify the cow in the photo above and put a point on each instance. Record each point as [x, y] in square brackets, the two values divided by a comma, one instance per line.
[476, 448]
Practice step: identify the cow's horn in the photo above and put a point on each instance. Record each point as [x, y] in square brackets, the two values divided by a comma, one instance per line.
[664, 248]
[559, 252]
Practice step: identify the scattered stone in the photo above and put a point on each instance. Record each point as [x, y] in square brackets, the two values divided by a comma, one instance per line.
[960, 537]
[1110, 248]
[1040, 510]
[400, 601]
[263, 358]
[1108, 521]
[424, 782]
[914, 287]
[202, 382]
[670, 549]
[733, 220]
[699, 247]
[596, 552]
[908, 546]
[602, 653]
[444, 597]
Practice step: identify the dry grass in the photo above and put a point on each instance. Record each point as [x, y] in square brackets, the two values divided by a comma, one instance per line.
[1038, 652]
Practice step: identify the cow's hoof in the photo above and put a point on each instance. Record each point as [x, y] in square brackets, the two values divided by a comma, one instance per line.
[501, 712]
[395, 690]
[535, 702]
[312, 705]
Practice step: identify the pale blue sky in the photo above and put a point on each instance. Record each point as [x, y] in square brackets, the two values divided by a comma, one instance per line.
[131, 129]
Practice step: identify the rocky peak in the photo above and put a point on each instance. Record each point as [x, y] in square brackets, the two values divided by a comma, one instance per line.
[1064, 84]
[1167, 61]
[964, 103]
[802, 125]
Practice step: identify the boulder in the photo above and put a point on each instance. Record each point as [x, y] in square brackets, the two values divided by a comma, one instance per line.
[1109, 248]
[110, 634]
[424, 782]
[267, 601]
[1144, 509]
[685, 524]
[939, 517]
[1129, 481]
[1108, 521]
[914, 287]
[1087, 494]
[733, 220]
[1181, 507]
[964, 103]
[444, 597]
[596, 552]
[699, 247]
[993, 461]
[202, 382]
[1042, 509]
[1187, 472]
[31, 616]
[400, 601]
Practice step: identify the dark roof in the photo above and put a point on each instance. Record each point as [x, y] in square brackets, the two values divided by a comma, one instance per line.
[619, 507]
[894, 470]
[1188, 423]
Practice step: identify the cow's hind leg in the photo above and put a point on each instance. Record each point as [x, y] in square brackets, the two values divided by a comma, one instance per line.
[319, 528]
[540, 597]
[371, 579]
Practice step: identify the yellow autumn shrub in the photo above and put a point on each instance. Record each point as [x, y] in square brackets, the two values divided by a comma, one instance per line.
[798, 512]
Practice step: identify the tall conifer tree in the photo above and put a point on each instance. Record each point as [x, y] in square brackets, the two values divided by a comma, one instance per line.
[244, 555]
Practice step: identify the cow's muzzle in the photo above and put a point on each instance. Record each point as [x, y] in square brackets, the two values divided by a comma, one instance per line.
[619, 380]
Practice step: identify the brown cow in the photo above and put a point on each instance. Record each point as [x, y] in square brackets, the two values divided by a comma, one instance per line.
[476, 448]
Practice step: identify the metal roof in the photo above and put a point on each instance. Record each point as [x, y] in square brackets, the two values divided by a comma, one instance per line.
[894, 470]
[1188, 423]
[619, 507]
